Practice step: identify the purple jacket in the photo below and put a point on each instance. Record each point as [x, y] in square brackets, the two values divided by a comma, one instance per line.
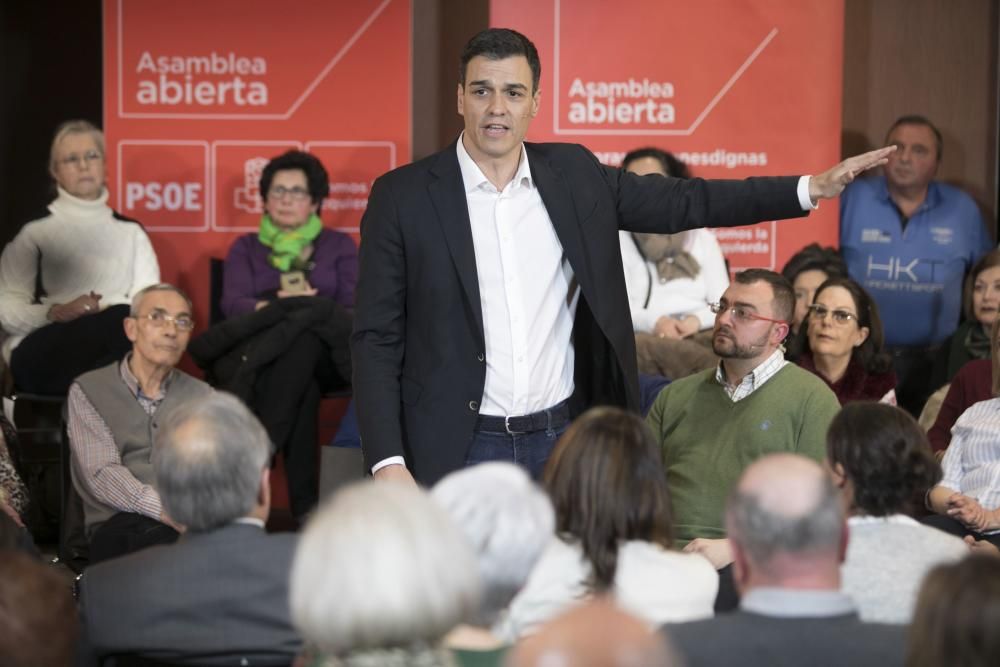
[250, 278]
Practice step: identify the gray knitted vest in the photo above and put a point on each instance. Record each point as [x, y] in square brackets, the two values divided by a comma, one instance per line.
[132, 429]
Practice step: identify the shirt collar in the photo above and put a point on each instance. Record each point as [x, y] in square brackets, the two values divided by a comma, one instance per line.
[933, 194]
[473, 177]
[763, 370]
[132, 382]
[796, 603]
[250, 521]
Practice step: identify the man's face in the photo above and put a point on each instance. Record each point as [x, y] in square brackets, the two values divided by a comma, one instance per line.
[915, 161]
[735, 337]
[159, 342]
[498, 104]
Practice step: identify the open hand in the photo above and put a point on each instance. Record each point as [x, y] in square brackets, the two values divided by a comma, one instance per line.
[718, 552]
[832, 182]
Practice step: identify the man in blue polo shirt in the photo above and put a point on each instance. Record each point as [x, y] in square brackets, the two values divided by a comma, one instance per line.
[909, 240]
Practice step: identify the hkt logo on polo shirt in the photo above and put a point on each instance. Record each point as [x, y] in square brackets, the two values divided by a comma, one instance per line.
[893, 269]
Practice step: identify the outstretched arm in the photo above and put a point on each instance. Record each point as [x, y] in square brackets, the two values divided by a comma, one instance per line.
[832, 182]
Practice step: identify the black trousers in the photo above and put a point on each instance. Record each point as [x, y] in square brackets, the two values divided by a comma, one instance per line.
[286, 399]
[949, 525]
[125, 533]
[51, 357]
[913, 367]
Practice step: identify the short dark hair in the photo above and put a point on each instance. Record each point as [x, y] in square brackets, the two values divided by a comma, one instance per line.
[814, 257]
[916, 119]
[784, 295]
[608, 486]
[987, 261]
[498, 44]
[957, 614]
[317, 180]
[885, 455]
[871, 354]
[671, 165]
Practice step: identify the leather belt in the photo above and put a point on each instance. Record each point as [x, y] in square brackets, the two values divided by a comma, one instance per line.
[554, 417]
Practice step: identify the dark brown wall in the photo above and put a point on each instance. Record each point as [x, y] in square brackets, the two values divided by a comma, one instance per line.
[937, 58]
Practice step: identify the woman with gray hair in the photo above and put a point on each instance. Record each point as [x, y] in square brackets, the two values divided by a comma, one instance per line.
[66, 279]
[380, 576]
[508, 520]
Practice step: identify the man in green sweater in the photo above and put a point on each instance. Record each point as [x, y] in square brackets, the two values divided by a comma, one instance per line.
[714, 424]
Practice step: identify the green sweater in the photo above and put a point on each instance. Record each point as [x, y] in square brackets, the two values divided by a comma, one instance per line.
[708, 440]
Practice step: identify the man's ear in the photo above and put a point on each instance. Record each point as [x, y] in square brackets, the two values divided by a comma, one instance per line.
[461, 100]
[264, 492]
[131, 328]
[535, 99]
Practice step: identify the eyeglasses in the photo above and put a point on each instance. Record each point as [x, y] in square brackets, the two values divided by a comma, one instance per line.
[741, 314]
[159, 319]
[279, 192]
[78, 161]
[842, 317]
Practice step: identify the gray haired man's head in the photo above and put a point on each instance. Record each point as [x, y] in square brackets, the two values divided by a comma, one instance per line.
[508, 521]
[785, 513]
[208, 458]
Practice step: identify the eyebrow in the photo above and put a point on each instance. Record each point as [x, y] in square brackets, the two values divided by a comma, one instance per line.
[488, 84]
[741, 304]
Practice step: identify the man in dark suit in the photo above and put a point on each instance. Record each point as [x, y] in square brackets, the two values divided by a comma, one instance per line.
[491, 304]
[220, 594]
[788, 532]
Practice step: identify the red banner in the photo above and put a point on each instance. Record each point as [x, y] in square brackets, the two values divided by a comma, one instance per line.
[200, 95]
[734, 88]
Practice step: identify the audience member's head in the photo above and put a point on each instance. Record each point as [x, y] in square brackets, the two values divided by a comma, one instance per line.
[38, 622]
[211, 461]
[594, 634]
[786, 524]
[753, 316]
[981, 297]
[608, 486]
[843, 321]
[76, 159]
[507, 519]
[159, 325]
[652, 160]
[957, 615]
[317, 181]
[880, 458]
[381, 566]
[919, 146]
[806, 270]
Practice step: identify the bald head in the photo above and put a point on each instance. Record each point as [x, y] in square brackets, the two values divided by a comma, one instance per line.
[784, 515]
[595, 634]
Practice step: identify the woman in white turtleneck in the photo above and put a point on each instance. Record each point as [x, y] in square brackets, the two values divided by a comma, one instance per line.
[66, 280]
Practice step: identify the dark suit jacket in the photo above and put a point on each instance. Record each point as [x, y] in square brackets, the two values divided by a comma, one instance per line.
[418, 346]
[742, 638]
[207, 598]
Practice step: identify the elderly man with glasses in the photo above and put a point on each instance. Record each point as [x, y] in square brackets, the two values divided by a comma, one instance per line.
[114, 413]
[716, 423]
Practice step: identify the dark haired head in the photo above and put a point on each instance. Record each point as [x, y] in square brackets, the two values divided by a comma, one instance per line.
[957, 614]
[317, 179]
[784, 296]
[987, 261]
[499, 44]
[916, 119]
[608, 486]
[885, 455]
[871, 354]
[670, 164]
[38, 617]
[813, 257]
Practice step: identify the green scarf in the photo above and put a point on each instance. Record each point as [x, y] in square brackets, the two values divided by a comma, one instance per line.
[286, 246]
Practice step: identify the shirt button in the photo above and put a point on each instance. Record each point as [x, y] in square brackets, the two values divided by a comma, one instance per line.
[481, 357]
[474, 406]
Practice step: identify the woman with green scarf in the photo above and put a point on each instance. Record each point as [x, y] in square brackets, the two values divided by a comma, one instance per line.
[292, 256]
